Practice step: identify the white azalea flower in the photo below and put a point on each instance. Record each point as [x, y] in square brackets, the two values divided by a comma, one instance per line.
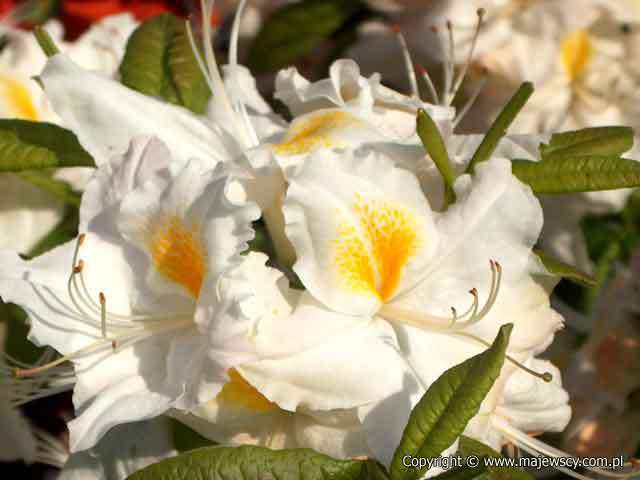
[123, 302]
[122, 452]
[371, 250]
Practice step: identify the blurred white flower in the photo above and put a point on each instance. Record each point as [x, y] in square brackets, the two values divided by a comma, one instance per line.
[26, 211]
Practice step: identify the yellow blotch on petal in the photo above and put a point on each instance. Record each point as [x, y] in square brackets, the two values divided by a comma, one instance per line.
[16, 96]
[179, 254]
[315, 131]
[575, 53]
[371, 255]
[239, 393]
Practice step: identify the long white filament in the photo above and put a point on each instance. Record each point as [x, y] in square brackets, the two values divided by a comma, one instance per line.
[536, 447]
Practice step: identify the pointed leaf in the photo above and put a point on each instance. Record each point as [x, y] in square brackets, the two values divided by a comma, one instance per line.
[28, 145]
[145, 66]
[252, 463]
[499, 127]
[296, 29]
[564, 270]
[445, 409]
[578, 174]
[589, 141]
[434, 145]
[159, 62]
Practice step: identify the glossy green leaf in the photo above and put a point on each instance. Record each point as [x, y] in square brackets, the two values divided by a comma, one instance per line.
[499, 127]
[253, 463]
[578, 174]
[159, 62]
[296, 29]
[445, 409]
[565, 270]
[28, 145]
[588, 141]
[434, 145]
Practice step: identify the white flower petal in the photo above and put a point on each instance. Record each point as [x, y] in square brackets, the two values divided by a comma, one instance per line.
[532, 405]
[361, 227]
[106, 116]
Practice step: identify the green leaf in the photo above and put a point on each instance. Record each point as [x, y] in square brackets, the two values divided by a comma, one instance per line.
[445, 409]
[469, 446]
[466, 473]
[296, 29]
[28, 145]
[434, 145]
[186, 439]
[252, 463]
[65, 231]
[16, 344]
[499, 127]
[192, 87]
[45, 41]
[578, 174]
[145, 66]
[588, 141]
[59, 189]
[159, 62]
[565, 270]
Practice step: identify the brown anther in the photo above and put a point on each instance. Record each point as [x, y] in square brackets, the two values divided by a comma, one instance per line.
[434, 28]
[114, 345]
[81, 238]
[474, 292]
[79, 267]
[420, 69]
[481, 12]
[449, 25]
[454, 311]
[395, 28]
[491, 264]
[547, 377]
[103, 299]
[498, 267]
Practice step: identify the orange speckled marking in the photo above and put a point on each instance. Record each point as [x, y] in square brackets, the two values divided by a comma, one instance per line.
[371, 256]
[315, 132]
[179, 255]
